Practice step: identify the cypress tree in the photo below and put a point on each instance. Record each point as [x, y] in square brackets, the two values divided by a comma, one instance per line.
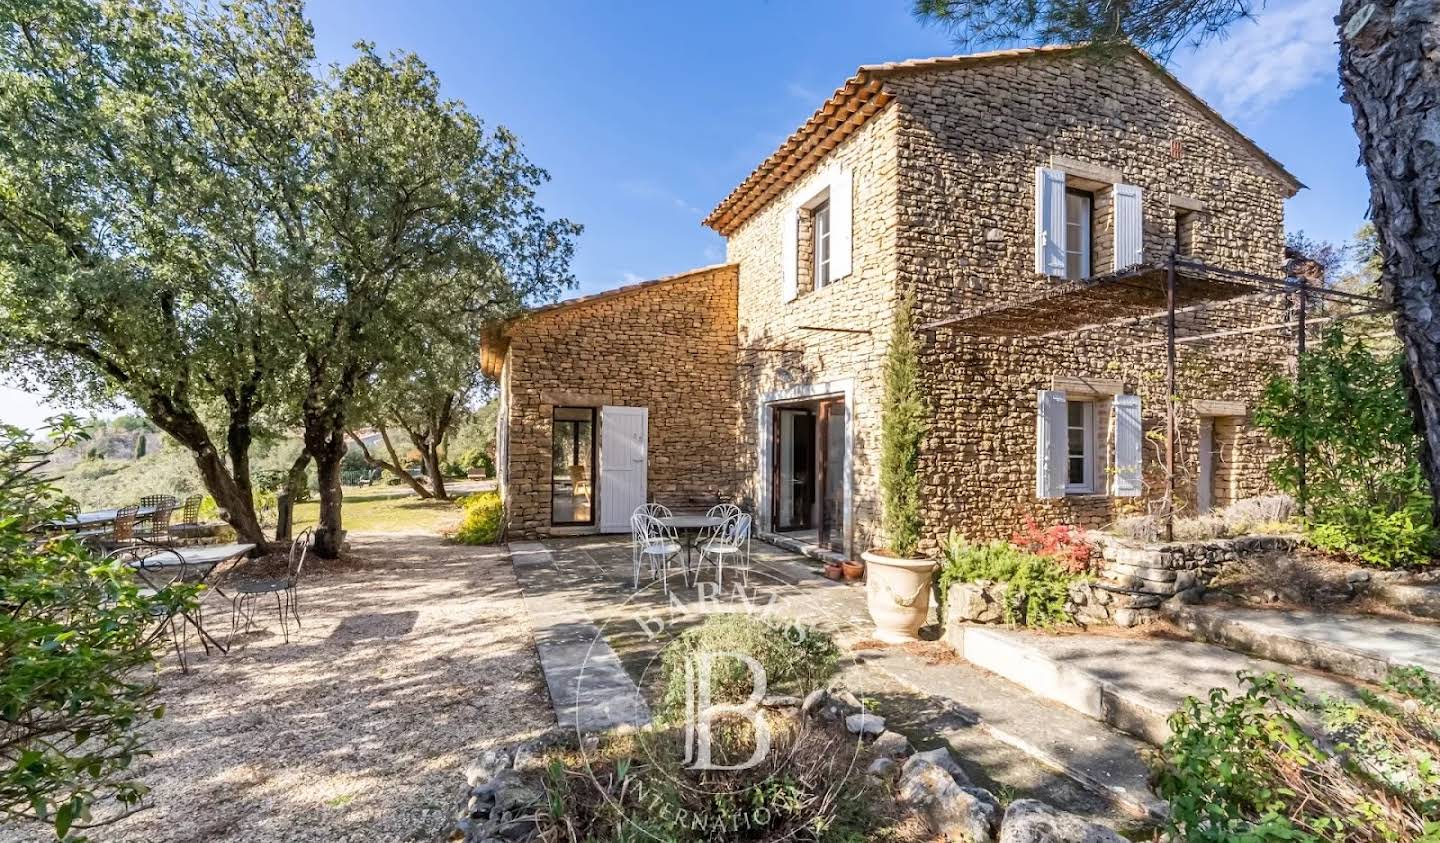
[902, 424]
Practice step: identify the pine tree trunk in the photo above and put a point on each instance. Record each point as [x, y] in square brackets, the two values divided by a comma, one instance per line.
[1388, 69]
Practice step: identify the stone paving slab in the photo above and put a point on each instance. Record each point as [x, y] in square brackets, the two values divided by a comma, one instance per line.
[1133, 684]
[1085, 750]
[1358, 646]
[588, 686]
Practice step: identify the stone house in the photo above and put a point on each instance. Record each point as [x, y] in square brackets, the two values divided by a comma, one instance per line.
[1026, 202]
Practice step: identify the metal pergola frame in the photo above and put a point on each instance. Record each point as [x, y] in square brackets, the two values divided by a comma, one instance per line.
[1144, 293]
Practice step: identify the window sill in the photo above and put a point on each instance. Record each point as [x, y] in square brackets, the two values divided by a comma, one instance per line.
[1083, 496]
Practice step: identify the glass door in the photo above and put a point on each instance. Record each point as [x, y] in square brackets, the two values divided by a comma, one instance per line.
[572, 467]
[795, 456]
[832, 473]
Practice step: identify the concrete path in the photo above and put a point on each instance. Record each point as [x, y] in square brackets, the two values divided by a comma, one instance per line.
[1133, 684]
[588, 686]
[1358, 646]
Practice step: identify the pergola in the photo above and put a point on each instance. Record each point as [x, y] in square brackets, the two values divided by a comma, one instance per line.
[1151, 293]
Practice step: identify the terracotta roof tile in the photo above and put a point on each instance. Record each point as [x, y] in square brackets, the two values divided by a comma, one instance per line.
[863, 95]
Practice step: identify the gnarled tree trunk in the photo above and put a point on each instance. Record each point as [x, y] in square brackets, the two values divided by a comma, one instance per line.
[393, 466]
[1390, 70]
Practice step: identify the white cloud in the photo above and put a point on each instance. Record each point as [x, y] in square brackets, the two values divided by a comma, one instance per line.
[631, 277]
[649, 190]
[800, 92]
[1262, 61]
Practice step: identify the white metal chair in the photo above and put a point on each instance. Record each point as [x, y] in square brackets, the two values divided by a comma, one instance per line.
[723, 511]
[654, 510]
[730, 544]
[655, 545]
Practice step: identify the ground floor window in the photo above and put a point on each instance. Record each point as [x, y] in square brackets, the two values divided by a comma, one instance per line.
[1080, 447]
[572, 478]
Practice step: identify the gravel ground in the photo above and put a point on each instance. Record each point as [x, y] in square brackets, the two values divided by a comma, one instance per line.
[360, 728]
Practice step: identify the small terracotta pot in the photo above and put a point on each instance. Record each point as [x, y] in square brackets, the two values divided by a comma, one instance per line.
[833, 571]
[853, 571]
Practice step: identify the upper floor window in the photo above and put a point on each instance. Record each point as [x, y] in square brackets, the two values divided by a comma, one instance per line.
[816, 233]
[1079, 232]
[821, 222]
[1067, 237]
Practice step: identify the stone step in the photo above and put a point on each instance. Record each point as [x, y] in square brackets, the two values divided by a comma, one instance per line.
[1089, 753]
[1131, 683]
[1364, 647]
[1420, 601]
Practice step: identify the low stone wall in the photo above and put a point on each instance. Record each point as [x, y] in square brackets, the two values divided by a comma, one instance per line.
[1136, 579]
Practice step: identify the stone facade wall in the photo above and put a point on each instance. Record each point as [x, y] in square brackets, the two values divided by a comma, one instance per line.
[969, 143]
[667, 346]
[779, 353]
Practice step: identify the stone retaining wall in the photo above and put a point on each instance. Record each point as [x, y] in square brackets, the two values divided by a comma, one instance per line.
[1136, 580]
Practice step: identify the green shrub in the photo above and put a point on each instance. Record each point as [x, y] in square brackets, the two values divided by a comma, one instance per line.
[902, 426]
[796, 658]
[74, 637]
[1039, 586]
[1351, 416]
[1242, 767]
[1382, 539]
[483, 521]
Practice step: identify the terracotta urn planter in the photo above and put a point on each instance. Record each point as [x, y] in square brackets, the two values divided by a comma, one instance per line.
[833, 571]
[853, 571]
[898, 595]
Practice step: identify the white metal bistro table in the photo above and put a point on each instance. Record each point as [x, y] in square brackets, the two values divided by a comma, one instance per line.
[203, 559]
[689, 528]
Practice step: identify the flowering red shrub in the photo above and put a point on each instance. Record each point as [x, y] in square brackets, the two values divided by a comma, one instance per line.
[1064, 543]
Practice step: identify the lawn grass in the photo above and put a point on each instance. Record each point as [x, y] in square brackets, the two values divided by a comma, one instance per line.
[368, 510]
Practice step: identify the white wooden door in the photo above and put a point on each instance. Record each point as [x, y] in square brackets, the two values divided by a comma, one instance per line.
[624, 444]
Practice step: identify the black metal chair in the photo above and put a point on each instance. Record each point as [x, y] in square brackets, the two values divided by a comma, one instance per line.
[122, 530]
[287, 601]
[157, 567]
[188, 525]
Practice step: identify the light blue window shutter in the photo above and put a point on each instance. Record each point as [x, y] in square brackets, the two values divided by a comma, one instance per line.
[1050, 222]
[1129, 443]
[789, 234]
[841, 223]
[1051, 429]
[1129, 226]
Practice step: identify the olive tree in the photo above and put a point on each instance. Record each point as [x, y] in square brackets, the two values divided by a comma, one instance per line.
[417, 221]
[129, 249]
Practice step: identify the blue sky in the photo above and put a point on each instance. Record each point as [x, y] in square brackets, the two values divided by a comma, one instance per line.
[646, 114]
